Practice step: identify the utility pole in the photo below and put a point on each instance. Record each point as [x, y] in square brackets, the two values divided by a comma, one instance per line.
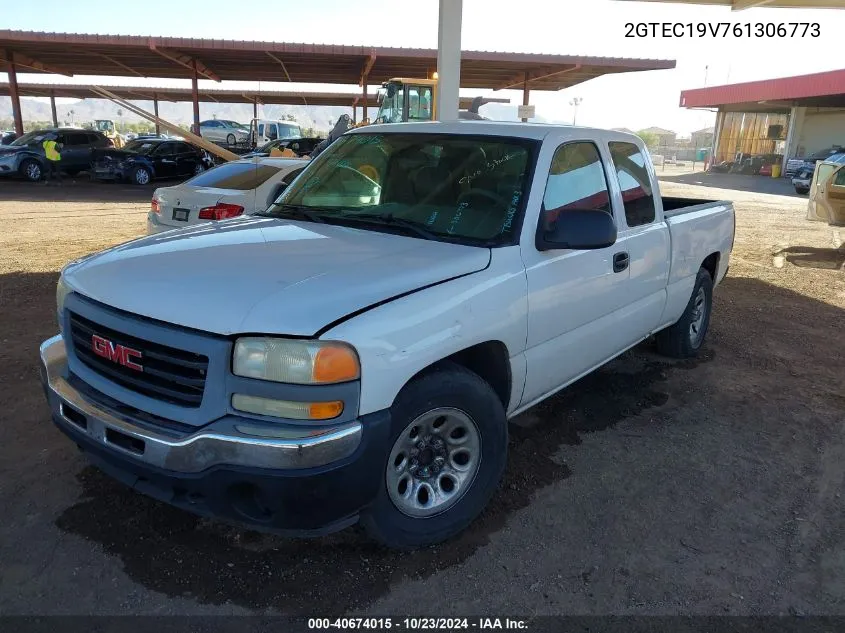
[575, 102]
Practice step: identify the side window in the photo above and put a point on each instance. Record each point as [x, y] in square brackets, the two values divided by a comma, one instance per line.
[839, 181]
[419, 103]
[184, 148]
[576, 181]
[824, 173]
[634, 181]
[272, 132]
[166, 149]
[95, 139]
[76, 139]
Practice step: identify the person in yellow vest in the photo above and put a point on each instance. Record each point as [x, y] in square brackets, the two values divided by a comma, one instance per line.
[53, 154]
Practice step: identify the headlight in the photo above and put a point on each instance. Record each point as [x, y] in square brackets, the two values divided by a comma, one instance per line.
[62, 291]
[295, 361]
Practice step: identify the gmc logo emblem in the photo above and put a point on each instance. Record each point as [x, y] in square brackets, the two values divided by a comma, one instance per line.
[119, 354]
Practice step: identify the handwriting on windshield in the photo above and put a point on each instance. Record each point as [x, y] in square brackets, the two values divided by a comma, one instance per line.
[488, 167]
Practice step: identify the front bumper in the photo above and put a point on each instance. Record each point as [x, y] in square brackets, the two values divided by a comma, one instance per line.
[302, 480]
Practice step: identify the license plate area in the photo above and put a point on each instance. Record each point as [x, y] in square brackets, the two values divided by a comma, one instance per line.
[181, 215]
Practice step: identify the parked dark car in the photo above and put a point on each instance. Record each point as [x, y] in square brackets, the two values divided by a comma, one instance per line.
[144, 160]
[300, 146]
[25, 156]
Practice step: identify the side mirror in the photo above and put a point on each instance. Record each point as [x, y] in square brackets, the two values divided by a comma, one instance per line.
[578, 229]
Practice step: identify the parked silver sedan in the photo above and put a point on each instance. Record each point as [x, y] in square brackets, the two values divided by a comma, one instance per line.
[221, 131]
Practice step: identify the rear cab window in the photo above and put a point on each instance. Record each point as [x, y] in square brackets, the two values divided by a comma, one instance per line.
[240, 176]
[632, 174]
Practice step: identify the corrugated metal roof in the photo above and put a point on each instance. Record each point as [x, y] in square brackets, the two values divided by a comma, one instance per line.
[169, 57]
[787, 89]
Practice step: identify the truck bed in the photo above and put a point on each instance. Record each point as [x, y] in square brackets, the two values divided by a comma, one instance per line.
[673, 206]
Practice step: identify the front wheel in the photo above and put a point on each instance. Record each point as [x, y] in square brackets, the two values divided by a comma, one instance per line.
[448, 451]
[31, 170]
[685, 337]
[230, 139]
[141, 176]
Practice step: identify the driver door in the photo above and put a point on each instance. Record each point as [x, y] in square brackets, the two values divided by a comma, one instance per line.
[164, 160]
[833, 197]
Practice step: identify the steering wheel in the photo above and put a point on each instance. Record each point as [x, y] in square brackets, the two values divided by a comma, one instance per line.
[483, 193]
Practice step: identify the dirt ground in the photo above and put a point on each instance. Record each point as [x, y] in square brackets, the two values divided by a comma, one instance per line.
[650, 487]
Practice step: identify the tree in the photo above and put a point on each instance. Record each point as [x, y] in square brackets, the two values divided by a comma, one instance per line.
[650, 139]
[70, 113]
[119, 112]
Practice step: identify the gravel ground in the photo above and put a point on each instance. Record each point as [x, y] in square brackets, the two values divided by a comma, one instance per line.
[649, 487]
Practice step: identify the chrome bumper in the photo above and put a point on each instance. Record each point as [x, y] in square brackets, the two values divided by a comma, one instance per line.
[231, 440]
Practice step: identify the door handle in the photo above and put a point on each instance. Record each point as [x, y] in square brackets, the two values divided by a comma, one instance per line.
[620, 262]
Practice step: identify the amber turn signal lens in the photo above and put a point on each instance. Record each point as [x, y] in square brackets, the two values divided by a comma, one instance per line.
[335, 364]
[325, 410]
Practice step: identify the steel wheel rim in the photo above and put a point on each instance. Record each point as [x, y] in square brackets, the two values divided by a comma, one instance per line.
[142, 177]
[699, 312]
[433, 462]
[33, 171]
[199, 169]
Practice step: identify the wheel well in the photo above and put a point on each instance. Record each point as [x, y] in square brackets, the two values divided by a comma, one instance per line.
[490, 361]
[711, 265]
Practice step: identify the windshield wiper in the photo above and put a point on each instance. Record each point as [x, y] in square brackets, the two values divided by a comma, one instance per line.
[389, 219]
[296, 210]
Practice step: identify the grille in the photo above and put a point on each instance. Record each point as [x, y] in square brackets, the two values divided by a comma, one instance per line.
[169, 374]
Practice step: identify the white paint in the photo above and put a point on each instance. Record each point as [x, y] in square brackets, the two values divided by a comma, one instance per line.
[558, 314]
[449, 59]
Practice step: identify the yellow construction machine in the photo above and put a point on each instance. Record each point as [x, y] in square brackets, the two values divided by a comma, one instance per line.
[106, 126]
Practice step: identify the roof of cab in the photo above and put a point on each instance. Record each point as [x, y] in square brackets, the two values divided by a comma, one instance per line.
[493, 128]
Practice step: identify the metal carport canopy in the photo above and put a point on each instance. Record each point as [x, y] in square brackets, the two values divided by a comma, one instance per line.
[169, 57]
[150, 93]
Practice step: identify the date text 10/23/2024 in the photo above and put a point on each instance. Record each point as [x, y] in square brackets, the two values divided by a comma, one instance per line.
[419, 624]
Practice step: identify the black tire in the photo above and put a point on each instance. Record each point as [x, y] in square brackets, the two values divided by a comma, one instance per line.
[230, 139]
[141, 176]
[32, 170]
[677, 340]
[447, 385]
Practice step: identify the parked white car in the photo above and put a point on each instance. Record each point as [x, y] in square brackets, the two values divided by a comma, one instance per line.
[240, 187]
[355, 352]
[221, 131]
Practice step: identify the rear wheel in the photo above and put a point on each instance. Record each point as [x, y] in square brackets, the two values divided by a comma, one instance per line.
[31, 170]
[141, 176]
[448, 453]
[685, 337]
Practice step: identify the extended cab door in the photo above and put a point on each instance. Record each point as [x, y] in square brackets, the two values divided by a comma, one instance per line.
[644, 235]
[832, 194]
[576, 298]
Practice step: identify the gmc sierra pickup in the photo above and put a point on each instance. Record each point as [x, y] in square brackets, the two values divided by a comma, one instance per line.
[354, 352]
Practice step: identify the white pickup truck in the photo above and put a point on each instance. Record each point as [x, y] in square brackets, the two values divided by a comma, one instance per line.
[355, 352]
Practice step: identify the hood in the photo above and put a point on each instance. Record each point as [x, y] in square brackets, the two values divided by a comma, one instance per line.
[12, 149]
[265, 275]
[114, 154]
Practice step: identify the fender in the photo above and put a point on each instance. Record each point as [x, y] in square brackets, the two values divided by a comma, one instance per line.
[399, 338]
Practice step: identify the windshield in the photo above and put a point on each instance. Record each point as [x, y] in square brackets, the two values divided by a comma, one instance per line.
[390, 110]
[462, 188]
[139, 146]
[289, 131]
[30, 138]
[236, 175]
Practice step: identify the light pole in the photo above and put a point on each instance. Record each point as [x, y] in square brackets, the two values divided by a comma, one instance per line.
[575, 102]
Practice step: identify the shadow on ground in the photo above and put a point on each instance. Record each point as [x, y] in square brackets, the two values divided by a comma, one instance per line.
[812, 257]
[751, 184]
[172, 552]
[80, 188]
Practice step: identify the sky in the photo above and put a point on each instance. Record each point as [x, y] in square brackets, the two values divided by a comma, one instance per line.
[574, 27]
